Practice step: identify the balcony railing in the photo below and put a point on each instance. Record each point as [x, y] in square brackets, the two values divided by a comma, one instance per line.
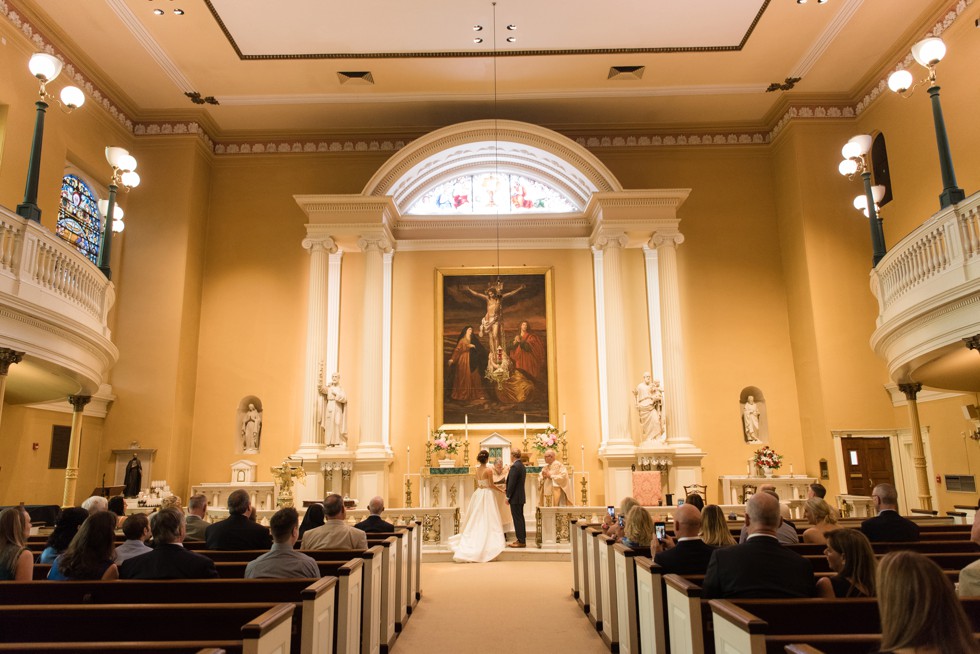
[42, 274]
[931, 265]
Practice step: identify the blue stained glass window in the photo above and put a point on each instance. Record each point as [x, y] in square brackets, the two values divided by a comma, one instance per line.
[79, 220]
[487, 193]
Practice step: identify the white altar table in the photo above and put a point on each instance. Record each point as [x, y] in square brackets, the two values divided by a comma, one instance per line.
[788, 487]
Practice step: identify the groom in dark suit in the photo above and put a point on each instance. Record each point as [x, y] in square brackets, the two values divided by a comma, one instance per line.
[516, 499]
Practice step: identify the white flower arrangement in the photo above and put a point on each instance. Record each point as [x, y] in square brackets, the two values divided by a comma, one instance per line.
[549, 439]
[443, 441]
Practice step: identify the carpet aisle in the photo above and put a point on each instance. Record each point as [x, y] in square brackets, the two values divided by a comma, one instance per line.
[502, 606]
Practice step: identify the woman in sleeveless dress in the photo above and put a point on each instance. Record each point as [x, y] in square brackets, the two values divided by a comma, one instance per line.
[481, 537]
[16, 561]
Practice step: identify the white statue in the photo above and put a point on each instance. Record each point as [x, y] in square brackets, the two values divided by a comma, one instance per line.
[750, 420]
[251, 429]
[649, 404]
[333, 412]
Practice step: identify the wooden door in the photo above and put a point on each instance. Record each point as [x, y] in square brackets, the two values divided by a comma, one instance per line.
[867, 463]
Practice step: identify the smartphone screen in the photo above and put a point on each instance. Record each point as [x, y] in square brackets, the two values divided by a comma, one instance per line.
[611, 510]
[660, 529]
[622, 521]
[680, 502]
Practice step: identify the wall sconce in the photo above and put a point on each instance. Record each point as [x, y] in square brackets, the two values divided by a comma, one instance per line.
[928, 53]
[45, 68]
[855, 153]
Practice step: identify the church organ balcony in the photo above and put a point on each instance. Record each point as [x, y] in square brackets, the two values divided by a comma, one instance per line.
[54, 305]
[928, 292]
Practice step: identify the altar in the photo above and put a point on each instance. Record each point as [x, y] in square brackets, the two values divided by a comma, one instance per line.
[788, 487]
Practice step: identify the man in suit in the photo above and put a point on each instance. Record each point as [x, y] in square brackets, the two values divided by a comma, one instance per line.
[169, 559]
[969, 585]
[374, 524]
[888, 526]
[197, 511]
[689, 555]
[335, 534]
[516, 499]
[237, 531]
[760, 567]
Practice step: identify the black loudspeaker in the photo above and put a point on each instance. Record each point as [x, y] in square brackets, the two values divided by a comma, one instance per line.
[670, 499]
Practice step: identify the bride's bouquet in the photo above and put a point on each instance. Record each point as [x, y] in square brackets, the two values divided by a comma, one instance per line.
[443, 441]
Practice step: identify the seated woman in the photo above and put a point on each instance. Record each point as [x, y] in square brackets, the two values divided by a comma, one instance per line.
[714, 527]
[90, 554]
[849, 554]
[117, 505]
[615, 528]
[16, 561]
[312, 520]
[823, 518]
[919, 611]
[638, 532]
[65, 529]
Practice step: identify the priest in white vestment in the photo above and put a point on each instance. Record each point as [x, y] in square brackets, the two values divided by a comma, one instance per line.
[554, 482]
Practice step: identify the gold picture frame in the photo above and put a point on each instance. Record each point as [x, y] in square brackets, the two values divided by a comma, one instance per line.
[517, 386]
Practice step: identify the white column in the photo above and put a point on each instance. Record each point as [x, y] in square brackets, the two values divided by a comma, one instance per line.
[386, 351]
[617, 384]
[911, 391]
[369, 438]
[316, 336]
[653, 313]
[600, 334]
[78, 403]
[8, 357]
[333, 312]
[675, 381]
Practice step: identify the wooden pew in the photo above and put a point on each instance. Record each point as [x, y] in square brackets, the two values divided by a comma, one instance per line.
[580, 561]
[923, 546]
[592, 535]
[650, 606]
[626, 596]
[259, 628]
[610, 598]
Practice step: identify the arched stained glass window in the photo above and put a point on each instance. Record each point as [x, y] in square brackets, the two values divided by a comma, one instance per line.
[486, 193]
[79, 220]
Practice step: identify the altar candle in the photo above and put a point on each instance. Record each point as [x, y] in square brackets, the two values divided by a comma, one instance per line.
[564, 422]
[525, 425]
[408, 465]
[791, 468]
[583, 457]
[428, 428]
[466, 427]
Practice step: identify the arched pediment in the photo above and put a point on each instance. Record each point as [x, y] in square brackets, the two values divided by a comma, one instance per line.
[503, 146]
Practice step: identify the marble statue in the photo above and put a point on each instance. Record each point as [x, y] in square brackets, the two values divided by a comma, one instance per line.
[332, 417]
[750, 420]
[251, 430]
[649, 400]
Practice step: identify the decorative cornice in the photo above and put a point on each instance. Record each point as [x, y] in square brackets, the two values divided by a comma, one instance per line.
[174, 129]
[293, 146]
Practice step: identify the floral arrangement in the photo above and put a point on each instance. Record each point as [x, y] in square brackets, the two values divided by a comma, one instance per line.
[444, 441]
[767, 458]
[548, 440]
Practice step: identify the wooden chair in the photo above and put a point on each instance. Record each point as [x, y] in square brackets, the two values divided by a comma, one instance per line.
[748, 490]
[699, 489]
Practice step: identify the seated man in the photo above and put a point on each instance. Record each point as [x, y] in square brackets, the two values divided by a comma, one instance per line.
[969, 585]
[136, 528]
[282, 560]
[888, 526]
[95, 504]
[816, 490]
[689, 555]
[197, 511]
[335, 534]
[237, 531]
[374, 524]
[786, 533]
[169, 559]
[760, 567]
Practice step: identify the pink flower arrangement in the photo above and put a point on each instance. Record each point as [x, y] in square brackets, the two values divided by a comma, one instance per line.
[548, 440]
[444, 441]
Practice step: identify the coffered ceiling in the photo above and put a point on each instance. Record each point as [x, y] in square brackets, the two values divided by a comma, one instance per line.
[274, 67]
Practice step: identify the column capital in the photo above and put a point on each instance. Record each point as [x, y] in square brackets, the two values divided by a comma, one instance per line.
[910, 389]
[319, 243]
[374, 242]
[973, 342]
[666, 238]
[610, 240]
[9, 357]
[78, 402]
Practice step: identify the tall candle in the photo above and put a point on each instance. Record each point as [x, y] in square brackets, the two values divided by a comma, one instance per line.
[428, 428]
[408, 466]
[564, 422]
[525, 425]
[583, 458]
[466, 428]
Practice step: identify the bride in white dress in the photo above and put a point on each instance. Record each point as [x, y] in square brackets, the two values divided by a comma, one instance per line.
[481, 537]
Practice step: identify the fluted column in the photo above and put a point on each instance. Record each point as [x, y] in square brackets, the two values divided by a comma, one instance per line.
[675, 380]
[316, 341]
[386, 350]
[617, 382]
[652, 267]
[78, 403]
[8, 357]
[371, 396]
[911, 391]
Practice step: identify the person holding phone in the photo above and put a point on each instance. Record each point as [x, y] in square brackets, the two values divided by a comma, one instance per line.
[638, 529]
[688, 554]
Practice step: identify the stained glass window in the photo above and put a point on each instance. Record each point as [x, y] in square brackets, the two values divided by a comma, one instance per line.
[486, 193]
[79, 220]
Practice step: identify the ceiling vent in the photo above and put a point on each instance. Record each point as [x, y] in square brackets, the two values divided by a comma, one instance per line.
[356, 77]
[626, 72]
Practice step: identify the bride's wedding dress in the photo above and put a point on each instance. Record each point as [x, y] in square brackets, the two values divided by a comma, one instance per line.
[481, 538]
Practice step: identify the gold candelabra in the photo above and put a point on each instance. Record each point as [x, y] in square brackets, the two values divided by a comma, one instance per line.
[408, 493]
[585, 491]
[466, 452]
[428, 454]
